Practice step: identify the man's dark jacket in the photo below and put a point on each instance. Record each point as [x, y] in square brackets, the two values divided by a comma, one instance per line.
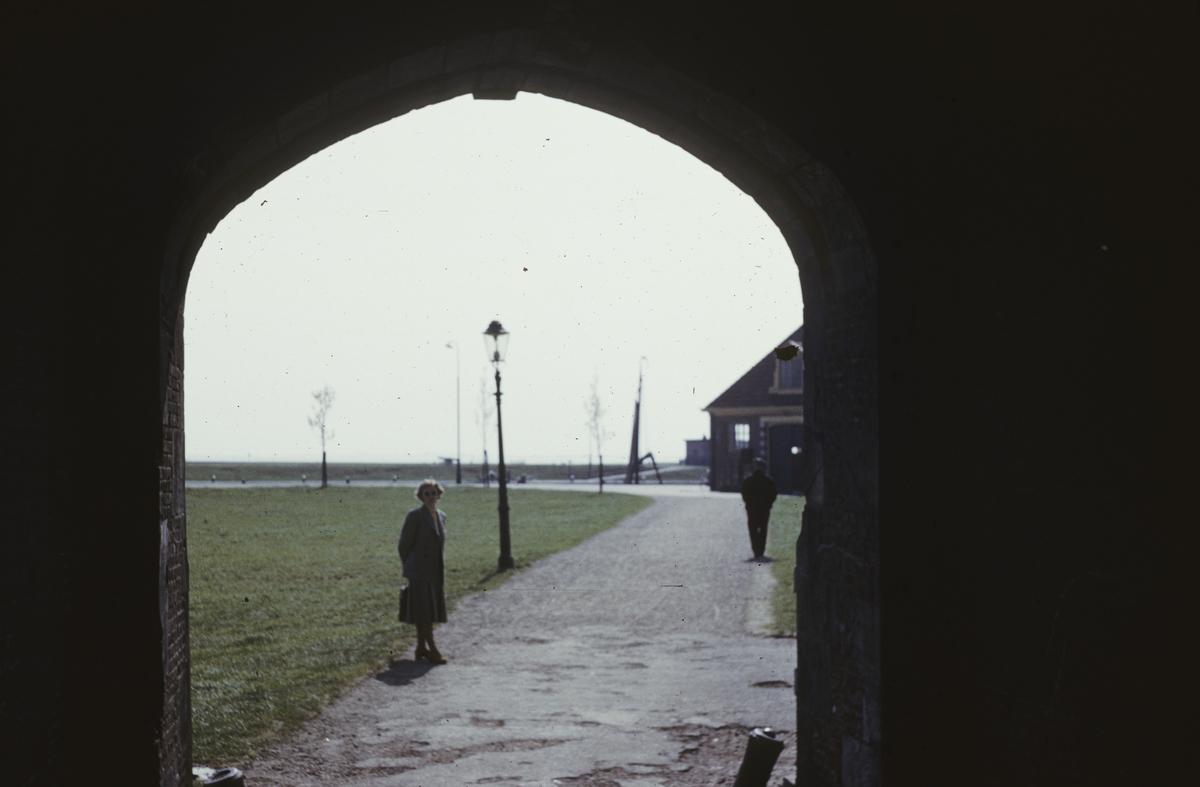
[758, 490]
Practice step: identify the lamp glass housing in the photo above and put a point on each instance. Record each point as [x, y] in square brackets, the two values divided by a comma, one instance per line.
[496, 342]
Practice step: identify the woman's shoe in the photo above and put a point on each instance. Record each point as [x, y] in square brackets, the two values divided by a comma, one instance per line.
[421, 653]
[433, 657]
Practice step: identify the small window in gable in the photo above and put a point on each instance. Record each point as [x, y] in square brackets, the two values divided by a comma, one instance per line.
[791, 373]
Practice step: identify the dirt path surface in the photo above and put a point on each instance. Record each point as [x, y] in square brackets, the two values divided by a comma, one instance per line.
[625, 662]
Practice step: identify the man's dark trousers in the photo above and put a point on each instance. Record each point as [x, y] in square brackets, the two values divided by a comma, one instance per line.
[757, 518]
[758, 493]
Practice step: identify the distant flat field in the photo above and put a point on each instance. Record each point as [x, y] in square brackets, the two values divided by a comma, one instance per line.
[339, 471]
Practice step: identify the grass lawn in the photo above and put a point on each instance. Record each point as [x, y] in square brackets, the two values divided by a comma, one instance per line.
[293, 591]
[781, 546]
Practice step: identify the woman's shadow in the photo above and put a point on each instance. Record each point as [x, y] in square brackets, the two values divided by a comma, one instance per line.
[403, 672]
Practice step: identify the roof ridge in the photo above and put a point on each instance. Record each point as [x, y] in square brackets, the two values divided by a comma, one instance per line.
[751, 388]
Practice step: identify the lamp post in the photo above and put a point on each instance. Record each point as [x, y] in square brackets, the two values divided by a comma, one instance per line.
[496, 348]
[457, 410]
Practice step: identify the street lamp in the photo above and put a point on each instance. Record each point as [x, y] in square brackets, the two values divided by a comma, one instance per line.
[458, 409]
[496, 348]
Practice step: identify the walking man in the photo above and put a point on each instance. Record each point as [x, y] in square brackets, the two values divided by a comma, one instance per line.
[758, 493]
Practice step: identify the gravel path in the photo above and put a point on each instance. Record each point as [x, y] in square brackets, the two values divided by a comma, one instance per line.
[625, 662]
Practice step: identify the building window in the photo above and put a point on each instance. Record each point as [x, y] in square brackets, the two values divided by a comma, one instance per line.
[791, 373]
[741, 436]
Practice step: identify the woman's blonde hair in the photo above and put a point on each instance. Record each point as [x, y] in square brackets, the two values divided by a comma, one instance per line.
[429, 483]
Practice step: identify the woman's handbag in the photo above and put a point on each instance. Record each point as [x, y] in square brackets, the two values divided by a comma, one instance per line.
[403, 604]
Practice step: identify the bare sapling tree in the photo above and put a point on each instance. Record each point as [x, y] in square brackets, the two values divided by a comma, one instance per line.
[595, 423]
[323, 401]
[483, 417]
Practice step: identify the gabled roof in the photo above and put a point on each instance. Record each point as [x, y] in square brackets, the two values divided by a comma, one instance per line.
[751, 389]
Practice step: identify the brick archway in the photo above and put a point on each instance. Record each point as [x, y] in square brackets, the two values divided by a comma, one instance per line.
[1033, 307]
[837, 566]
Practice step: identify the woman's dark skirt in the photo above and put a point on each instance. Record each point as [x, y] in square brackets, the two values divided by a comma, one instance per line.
[426, 603]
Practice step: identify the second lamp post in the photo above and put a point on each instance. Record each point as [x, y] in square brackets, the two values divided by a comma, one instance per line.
[497, 344]
[457, 410]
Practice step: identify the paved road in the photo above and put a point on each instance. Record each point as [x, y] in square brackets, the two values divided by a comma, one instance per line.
[625, 662]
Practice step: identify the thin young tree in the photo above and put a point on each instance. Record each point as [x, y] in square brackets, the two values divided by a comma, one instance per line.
[324, 401]
[483, 417]
[595, 423]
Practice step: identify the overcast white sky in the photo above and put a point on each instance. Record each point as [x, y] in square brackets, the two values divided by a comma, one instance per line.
[594, 242]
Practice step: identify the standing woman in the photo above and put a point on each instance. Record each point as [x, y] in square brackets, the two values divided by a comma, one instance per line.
[422, 550]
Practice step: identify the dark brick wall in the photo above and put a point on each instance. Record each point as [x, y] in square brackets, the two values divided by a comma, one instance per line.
[35, 642]
[837, 678]
[837, 555]
[1016, 334]
[175, 743]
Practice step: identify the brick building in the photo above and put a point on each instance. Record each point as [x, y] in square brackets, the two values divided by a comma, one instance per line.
[762, 414]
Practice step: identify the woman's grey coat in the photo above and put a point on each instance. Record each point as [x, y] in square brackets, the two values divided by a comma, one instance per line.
[423, 546]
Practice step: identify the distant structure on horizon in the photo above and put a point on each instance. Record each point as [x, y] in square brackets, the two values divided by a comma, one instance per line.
[762, 414]
[698, 453]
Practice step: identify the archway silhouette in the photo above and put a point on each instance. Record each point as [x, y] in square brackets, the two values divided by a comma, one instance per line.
[1028, 189]
[818, 222]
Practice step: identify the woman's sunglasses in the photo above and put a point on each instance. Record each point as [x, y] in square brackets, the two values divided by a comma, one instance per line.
[431, 493]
